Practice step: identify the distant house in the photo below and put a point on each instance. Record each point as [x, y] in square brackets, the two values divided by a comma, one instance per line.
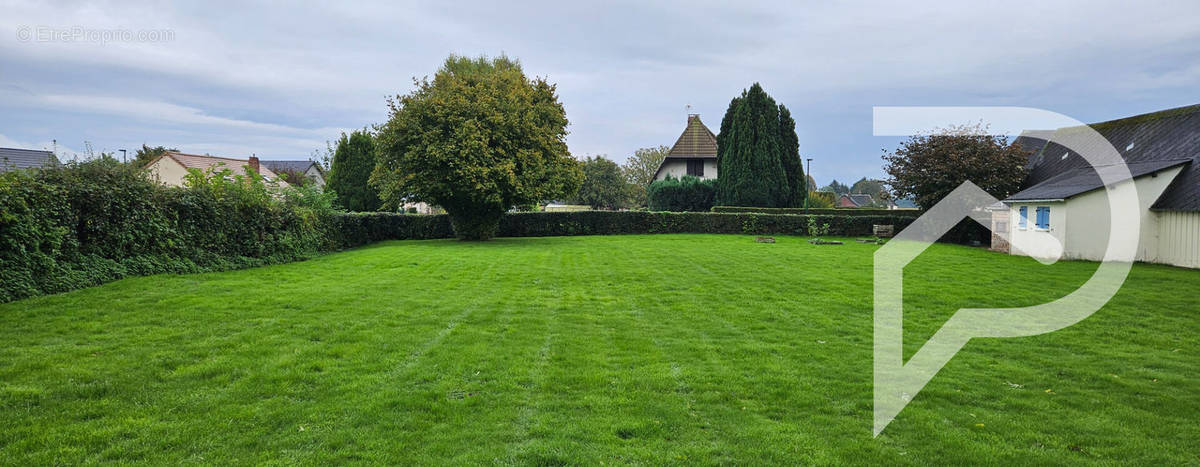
[855, 201]
[11, 159]
[171, 168]
[292, 169]
[905, 203]
[1064, 201]
[694, 153]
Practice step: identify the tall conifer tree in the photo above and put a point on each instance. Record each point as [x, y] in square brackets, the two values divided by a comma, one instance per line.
[751, 151]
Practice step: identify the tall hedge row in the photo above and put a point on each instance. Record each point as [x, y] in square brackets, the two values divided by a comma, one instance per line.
[90, 223]
[358, 229]
[823, 211]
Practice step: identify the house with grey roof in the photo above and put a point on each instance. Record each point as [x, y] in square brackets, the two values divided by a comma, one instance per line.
[13, 159]
[855, 200]
[694, 153]
[295, 169]
[1063, 207]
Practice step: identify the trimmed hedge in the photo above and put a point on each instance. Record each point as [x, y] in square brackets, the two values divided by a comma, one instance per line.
[94, 222]
[824, 211]
[359, 229]
[87, 224]
[689, 193]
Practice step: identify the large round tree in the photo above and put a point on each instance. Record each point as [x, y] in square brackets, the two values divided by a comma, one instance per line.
[477, 139]
[928, 167]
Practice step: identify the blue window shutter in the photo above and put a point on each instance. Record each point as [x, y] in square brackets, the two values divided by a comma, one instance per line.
[1043, 217]
[1023, 217]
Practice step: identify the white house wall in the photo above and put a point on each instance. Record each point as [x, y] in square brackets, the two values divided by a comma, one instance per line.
[168, 172]
[1081, 223]
[678, 168]
[1178, 238]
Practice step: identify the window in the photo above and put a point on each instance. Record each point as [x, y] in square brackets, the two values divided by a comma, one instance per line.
[1023, 218]
[1043, 217]
[695, 167]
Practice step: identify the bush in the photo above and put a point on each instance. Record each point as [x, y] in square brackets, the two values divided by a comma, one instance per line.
[358, 229]
[823, 211]
[88, 223]
[821, 199]
[681, 195]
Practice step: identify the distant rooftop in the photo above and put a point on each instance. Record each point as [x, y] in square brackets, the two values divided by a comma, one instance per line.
[697, 141]
[12, 158]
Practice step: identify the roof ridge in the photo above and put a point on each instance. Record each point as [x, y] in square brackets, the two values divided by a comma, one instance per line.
[209, 156]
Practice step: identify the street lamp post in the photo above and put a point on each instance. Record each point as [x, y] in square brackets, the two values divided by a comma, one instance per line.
[807, 189]
[122, 155]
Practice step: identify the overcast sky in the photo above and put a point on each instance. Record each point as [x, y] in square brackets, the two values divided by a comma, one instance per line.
[279, 81]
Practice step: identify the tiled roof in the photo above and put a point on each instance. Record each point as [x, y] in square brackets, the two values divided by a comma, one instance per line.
[11, 158]
[237, 166]
[1148, 143]
[696, 141]
[859, 199]
[1084, 179]
[289, 166]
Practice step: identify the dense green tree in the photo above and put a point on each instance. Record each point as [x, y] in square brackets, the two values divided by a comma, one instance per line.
[603, 187]
[836, 187]
[639, 171]
[929, 167]
[350, 172]
[682, 194]
[147, 154]
[875, 188]
[477, 140]
[758, 154]
[793, 167]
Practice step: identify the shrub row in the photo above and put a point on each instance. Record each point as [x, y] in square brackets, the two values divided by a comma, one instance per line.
[94, 222]
[375, 227]
[90, 223]
[681, 194]
[824, 211]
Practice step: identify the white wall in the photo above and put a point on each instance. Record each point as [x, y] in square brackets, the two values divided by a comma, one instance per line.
[1032, 241]
[1178, 238]
[167, 171]
[315, 175]
[678, 168]
[1081, 224]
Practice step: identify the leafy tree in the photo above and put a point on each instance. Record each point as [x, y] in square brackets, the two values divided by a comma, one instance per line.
[812, 184]
[350, 172]
[639, 171]
[836, 187]
[147, 154]
[868, 186]
[477, 140]
[603, 185]
[757, 153]
[821, 199]
[929, 167]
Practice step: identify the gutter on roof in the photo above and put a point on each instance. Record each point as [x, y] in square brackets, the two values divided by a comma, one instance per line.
[1047, 200]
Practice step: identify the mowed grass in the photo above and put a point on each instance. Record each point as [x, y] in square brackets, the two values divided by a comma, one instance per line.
[688, 349]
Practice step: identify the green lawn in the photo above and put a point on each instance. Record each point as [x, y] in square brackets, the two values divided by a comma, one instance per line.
[625, 349]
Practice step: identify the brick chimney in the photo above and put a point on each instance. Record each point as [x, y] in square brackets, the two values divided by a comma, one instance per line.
[254, 164]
